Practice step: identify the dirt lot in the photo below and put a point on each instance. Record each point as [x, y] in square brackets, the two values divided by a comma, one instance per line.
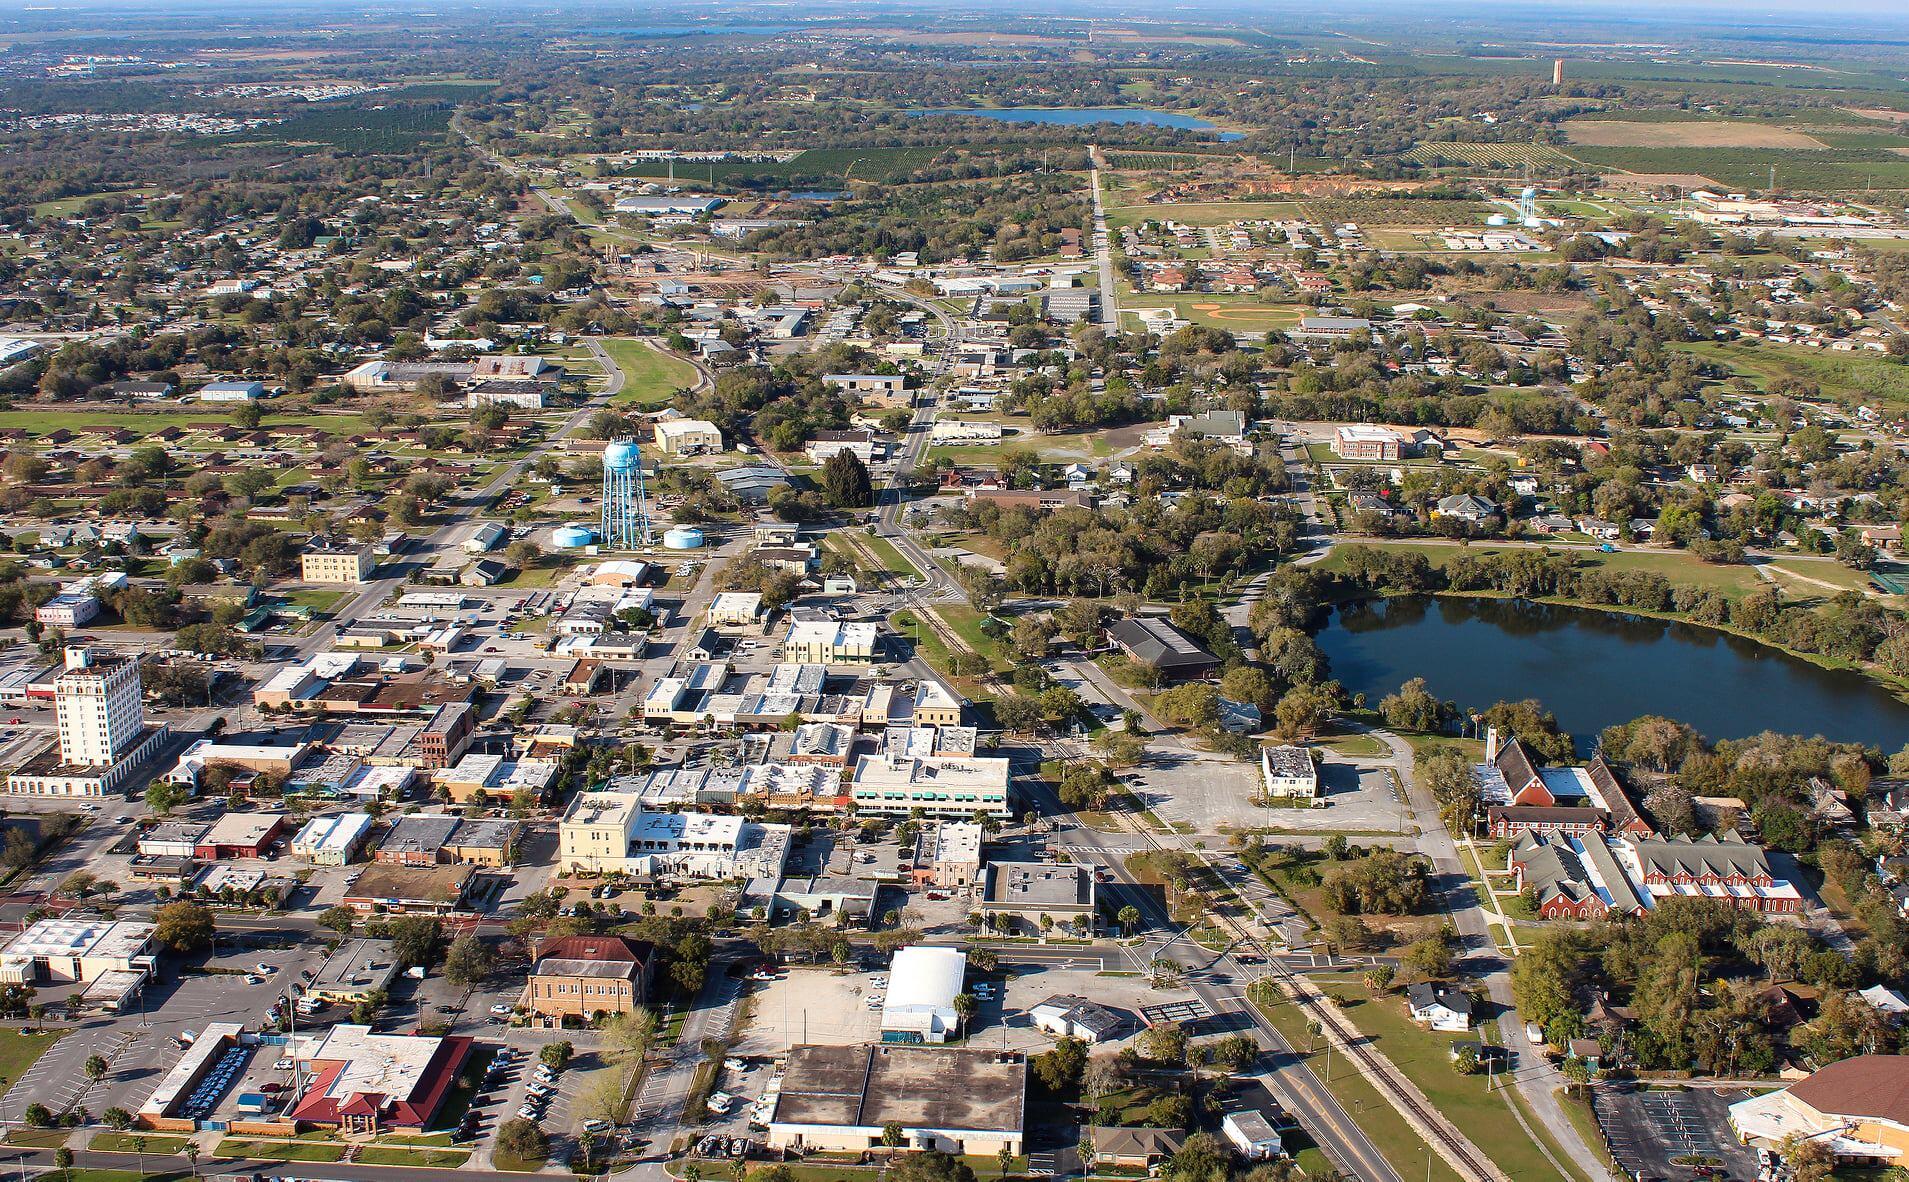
[1615, 133]
[811, 1005]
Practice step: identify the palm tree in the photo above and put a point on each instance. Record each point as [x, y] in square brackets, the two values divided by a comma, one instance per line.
[965, 1008]
[139, 1147]
[192, 1155]
[63, 1161]
[1129, 918]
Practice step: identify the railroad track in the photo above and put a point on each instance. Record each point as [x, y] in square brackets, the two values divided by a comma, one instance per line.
[1454, 1148]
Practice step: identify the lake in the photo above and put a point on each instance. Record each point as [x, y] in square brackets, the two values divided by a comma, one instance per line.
[1082, 116]
[1593, 669]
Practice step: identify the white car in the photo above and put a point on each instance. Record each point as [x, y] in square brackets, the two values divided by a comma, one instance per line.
[502, 1010]
[526, 1112]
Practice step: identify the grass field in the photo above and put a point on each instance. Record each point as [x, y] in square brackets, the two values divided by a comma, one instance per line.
[68, 206]
[1204, 213]
[1847, 377]
[396, 1155]
[815, 166]
[1425, 1058]
[132, 1143]
[650, 377]
[320, 1151]
[1678, 567]
[20, 1051]
[1243, 313]
[1490, 155]
[1832, 170]
[1389, 1133]
[1623, 133]
[1081, 445]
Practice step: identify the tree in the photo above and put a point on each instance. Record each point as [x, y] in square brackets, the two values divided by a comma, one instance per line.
[1304, 710]
[117, 1119]
[1059, 1068]
[965, 1008]
[931, 1166]
[340, 919]
[468, 961]
[1577, 1073]
[1379, 977]
[1808, 1159]
[1163, 1043]
[38, 1115]
[414, 939]
[845, 482]
[556, 1055]
[95, 1066]
[163, 797]
[1414, 708]
[892, 1135]
[183, 927]
[1128, 918]
[523, 1140]
[63, 1161]
[629, 1034]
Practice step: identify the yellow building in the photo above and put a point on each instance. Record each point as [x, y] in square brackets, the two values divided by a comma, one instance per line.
[337, 562]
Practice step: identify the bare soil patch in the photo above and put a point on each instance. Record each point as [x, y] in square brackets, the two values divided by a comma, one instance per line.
[1615, 133]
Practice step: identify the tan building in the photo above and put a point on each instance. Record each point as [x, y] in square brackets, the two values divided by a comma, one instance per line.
[337, 562]
[688, 437]
[935, 705]
[583, 976]
[1858, 1109]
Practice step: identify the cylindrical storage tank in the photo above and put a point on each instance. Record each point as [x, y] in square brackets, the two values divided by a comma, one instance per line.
[1497, 219]
[572, 537]
[683, 537]
[620, 456]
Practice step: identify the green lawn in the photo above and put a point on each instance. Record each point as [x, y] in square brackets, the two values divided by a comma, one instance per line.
[511, 1163]
[281, 1150]
[67, 206]
[1060, 446]
[966, 623]
[650, 377]
[1675, 565]
[1203, 213]
[393, 1155]
[155, 1143]
[143, 423]
[890, 557]
[20, 1051]
[1389, 1133]
[1847, 377]
[1425, 1058]
[1243, 313]
[39, 1138]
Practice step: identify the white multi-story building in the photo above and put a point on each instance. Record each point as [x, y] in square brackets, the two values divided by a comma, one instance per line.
[97, 700]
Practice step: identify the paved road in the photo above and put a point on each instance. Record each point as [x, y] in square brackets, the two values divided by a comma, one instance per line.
[459, 516]
[1537, 1079]
[1103, 251]
[1289, 1079]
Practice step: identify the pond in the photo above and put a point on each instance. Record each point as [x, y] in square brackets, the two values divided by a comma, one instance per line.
[1593, 669]
[1082, 116]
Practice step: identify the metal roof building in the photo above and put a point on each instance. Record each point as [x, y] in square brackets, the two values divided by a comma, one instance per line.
[922, 986]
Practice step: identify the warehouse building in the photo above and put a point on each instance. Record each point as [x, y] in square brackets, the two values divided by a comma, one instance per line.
[842, 1099]
[923, 983]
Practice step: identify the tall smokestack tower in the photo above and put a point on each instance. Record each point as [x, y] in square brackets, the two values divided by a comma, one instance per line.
[1557, 71]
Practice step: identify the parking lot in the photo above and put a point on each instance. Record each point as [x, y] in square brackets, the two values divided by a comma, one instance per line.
[811, 1006]
[1648, 1129]
[141, 1047]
